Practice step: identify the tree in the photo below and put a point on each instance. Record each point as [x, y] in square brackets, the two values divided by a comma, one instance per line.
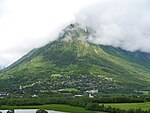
[94, 107]
[41, 111]
[10, 111]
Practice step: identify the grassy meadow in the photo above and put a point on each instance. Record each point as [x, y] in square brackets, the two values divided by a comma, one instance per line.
[143, 106]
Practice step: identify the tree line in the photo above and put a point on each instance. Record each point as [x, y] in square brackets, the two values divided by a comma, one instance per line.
[87, 103]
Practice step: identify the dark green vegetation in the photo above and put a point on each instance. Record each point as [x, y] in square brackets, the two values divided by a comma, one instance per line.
[79, 101]
[41, 111]
[72, 62]
[80, 105]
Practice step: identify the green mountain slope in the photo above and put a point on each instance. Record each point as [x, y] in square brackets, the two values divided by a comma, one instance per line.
[73, 62]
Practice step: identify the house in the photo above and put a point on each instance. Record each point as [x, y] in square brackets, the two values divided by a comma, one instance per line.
[91, 96]
[92, 91]
[78, 95]
[3, 93]
[33, 96]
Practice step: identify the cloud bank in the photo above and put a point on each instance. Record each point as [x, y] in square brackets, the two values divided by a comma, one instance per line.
[120, 23]
[28, 24]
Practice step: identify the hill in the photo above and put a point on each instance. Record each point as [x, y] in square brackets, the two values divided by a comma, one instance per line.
[73, 62]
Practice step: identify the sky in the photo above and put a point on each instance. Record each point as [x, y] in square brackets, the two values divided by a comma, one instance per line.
[120, 23]
[28, 24]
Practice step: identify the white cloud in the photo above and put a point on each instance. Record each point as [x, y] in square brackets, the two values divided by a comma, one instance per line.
[121, 23]
[27, 24]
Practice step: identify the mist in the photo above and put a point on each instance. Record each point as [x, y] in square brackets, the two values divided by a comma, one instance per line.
[29, 24]
[120, 23]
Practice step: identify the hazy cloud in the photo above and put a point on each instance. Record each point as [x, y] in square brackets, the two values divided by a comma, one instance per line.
[27, 24]
[1, 9]
[121, 23]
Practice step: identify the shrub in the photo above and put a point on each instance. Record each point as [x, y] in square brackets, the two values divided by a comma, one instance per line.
[10, 111]
[41, 111]
[94, 107]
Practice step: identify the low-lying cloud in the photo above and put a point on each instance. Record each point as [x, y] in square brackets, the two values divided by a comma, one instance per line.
[27, 24]
[120, 23]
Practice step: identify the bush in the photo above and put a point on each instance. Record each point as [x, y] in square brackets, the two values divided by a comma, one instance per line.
[94, 107]
[41, 111]
[10, 111]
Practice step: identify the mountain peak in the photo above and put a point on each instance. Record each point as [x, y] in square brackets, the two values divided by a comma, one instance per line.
[74, 31]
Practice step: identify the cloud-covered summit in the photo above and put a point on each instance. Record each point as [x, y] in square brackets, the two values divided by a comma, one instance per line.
[120, 23]
[27, 24]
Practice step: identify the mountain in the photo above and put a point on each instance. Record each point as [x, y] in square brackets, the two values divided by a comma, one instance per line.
[73, 62]
[2, 67]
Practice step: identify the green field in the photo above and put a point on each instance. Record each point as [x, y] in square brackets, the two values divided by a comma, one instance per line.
[143, 106]
[56, 107]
